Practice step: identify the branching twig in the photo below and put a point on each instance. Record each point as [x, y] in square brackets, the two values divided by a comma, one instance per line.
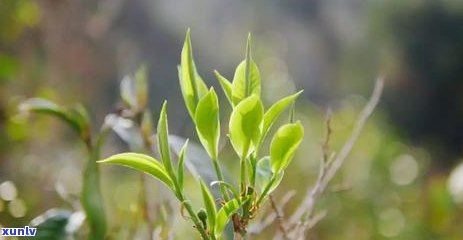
[279, 217]
[329, 168]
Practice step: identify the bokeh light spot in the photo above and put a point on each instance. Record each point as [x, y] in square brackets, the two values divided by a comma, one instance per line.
[8, 191]
[391, 223]
[404, 170]
[17, 208]
[455, 183]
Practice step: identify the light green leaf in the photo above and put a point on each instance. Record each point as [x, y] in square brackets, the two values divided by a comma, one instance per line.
[181, 165]
[143, 163]
[247, 78]
[275, 110]
[228, 186]
[265, 174]
[284, 145]
[209, 204]
[226, 86]
[163, 141]
[245, 125]
[224, 214]
[40, 105]
[192, 86]
[208, 122]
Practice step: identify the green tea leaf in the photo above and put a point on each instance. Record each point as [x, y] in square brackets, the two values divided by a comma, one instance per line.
[264, 175]
[275, 110]
[245, 125]
[40, 105]
[163, 141]
[247, 78]
[143, 163]
[226, 86]
[192, 86]
[209, 204]
[224, 214]
[181, 165]
[208, 123]
[284, 145]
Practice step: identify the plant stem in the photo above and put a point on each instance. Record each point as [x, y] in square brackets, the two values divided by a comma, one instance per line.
[189, 208]
[266, 189]
[243, 175]
[219, 174]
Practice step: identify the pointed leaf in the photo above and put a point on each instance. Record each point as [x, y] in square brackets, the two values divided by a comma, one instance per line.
[209, 204]
[275, 110]
[163, 141]
[226, 86]
[247, 78]
[208, 123]
[265, 174]
[192, 86]
[284, 145]
[245, 125]
[143, 163]
[181, 165]
[224, 215]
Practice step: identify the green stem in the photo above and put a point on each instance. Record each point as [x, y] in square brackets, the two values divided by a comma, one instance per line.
[92, 199]
[181, 197]
[219, 174]
[243, 175]
[265, 192]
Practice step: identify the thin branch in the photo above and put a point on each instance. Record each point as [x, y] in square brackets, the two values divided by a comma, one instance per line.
[328, 171]
[279, 216]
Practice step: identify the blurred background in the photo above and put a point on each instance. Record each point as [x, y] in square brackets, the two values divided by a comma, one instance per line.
[404, 179]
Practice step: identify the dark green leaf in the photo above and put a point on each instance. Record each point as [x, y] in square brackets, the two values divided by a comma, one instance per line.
[51, 225]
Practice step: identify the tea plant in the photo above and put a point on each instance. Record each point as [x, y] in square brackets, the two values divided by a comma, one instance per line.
[248, 126]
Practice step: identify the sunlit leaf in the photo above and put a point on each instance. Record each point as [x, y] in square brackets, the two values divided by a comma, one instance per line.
[224, 214]
[192, 86]
[264, 175]
[226, 86]
[275, 110]
[284, 145]
[209, 204]
[163, 141]
[143, 163]
[247, 78]
[208, 123]
[245, 125]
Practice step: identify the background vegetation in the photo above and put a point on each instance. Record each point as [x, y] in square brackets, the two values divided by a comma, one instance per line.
[403, 180]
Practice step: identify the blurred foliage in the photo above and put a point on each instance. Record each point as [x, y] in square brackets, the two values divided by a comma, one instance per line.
[394, 186]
